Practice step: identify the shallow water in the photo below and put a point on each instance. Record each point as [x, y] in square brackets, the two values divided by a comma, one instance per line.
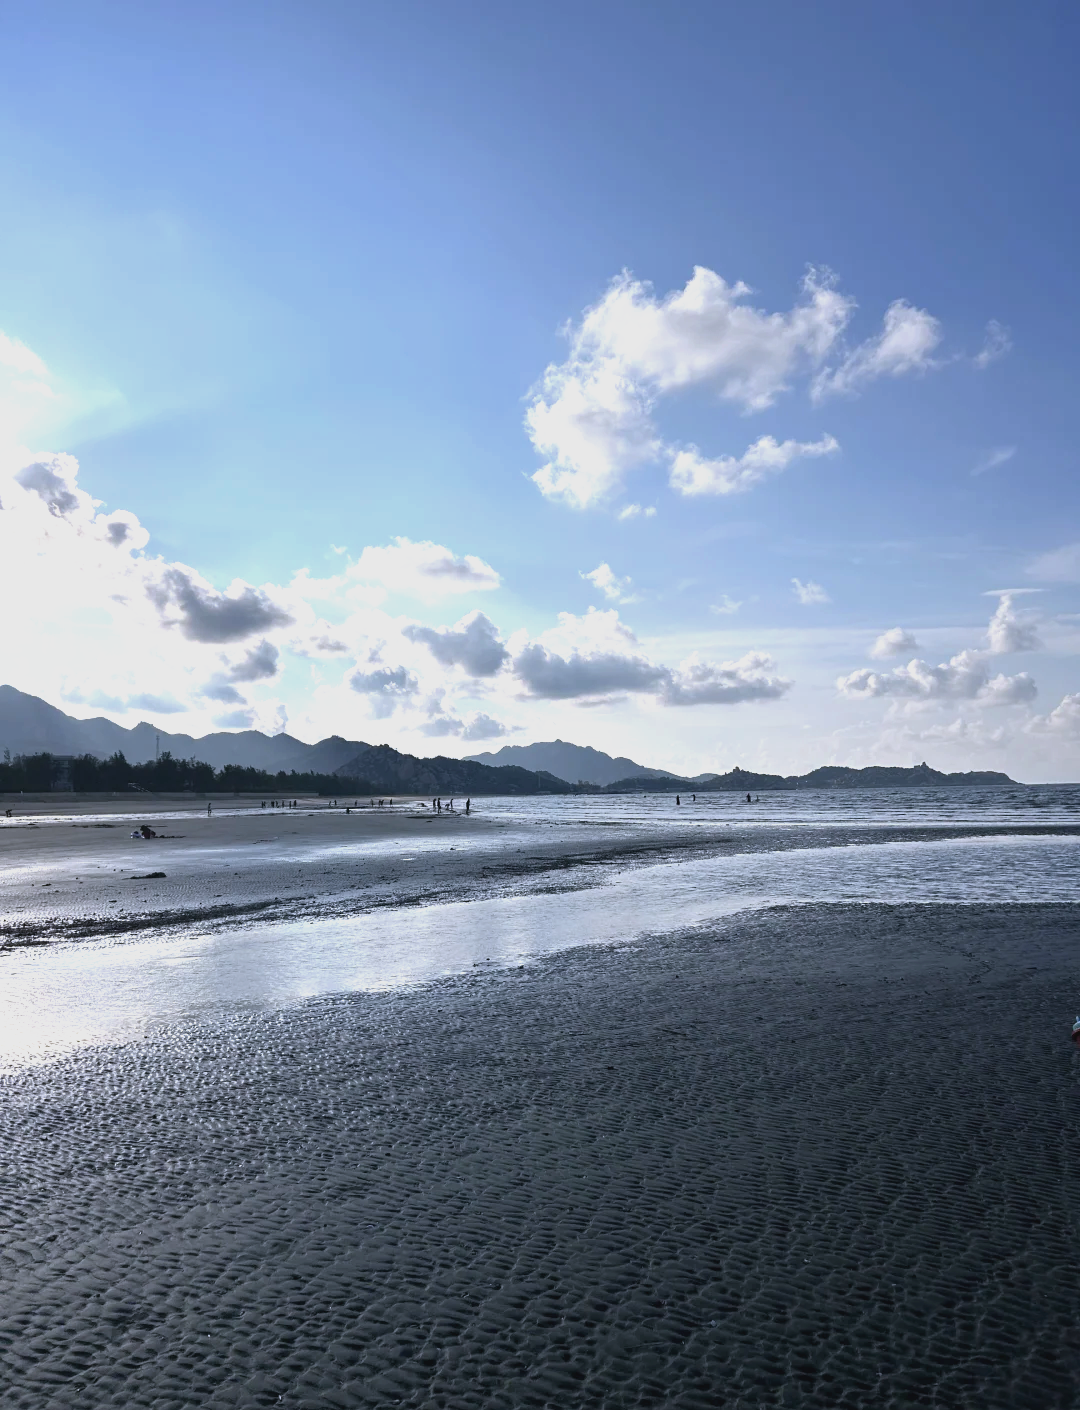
[866, 807]
[60, 998]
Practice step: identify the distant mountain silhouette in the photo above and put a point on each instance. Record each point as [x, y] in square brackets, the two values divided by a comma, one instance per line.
[576, 763]
[29, 725]
[829, 776]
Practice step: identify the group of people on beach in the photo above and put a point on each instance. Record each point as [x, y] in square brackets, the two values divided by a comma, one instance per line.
[280, 803]
[437, 805]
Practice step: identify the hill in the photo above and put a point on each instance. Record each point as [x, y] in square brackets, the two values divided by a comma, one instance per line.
[576, 763]
[829, 776]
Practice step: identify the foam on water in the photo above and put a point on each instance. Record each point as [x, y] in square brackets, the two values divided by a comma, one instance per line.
[61, 998]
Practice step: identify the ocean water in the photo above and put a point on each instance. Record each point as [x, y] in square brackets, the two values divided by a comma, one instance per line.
[1020, 804]
[55, 999]
[862, 807]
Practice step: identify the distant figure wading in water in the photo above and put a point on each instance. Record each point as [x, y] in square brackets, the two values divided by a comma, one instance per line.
[208, 807]
[749, 799]
[468, 805]
[678, 801]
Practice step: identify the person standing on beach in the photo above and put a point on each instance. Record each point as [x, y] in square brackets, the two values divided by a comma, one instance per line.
[208, 807]
[678, 801]
[468, 806]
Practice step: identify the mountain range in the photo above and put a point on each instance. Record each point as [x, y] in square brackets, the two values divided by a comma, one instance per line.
[576, 763]
[29, 725]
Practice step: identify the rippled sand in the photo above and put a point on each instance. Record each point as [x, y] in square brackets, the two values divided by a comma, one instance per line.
[816, 1156]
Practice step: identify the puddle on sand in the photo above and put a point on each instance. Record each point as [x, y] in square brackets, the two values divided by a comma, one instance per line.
[56, 999]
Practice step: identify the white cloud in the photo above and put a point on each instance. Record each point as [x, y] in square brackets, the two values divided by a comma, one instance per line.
[810, 594]
[591, 416]
[905, 344]
[995, 345]
[999, 456]
[594, 424]
[17, 357]
[635, 511]
[1011, 630]
[1063, 720]
[894, 642]
[693, 474]
[604, 579]
[726, 607]
[964, 677]
[597, 656]
[474, 644]
[1060, 565]
[698, 682]
[426, 570]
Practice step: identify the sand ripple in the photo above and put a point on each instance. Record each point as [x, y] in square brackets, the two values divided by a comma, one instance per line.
[816, 1157]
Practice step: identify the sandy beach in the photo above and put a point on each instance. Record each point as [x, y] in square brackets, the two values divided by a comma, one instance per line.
[815, 1156]
[71, 869]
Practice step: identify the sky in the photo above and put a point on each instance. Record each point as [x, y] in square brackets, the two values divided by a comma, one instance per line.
[689, 381]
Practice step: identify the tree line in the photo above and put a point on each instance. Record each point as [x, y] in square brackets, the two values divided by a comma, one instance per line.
[38, 773]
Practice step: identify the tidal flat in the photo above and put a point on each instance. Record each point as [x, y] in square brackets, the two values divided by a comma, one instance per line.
[812, 1155]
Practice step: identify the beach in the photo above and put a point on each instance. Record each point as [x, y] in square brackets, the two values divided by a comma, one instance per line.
[72, 870]
[813, 1156]
[554, 1105]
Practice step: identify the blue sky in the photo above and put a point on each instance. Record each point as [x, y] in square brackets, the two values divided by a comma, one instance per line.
[292, 276]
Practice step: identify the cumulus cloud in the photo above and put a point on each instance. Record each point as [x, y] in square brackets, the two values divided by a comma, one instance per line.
[614, 588]
[694, 474]
[1060, 565]
[635, 511]
[219, 689]
[1012, 630]
[425, 570]
[386, 687]
[549, 676]
[258, 664]
[474, 644]
[591, 416]
[697, 682]
[894, 642]
[965, 676]
[597, 657]
[206, 615]
[906, 343]
[477, 726]
[1063, 720]
[809, 594]
[53, 481]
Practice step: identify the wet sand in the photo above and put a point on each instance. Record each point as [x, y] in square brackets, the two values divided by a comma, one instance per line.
[817, 1156]
[77, 873]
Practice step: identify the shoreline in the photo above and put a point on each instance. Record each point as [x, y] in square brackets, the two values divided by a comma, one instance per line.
[824, 1152]
[69, 880]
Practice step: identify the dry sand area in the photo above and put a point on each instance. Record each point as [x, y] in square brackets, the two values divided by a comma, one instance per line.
[817, 1156]
[69, 868]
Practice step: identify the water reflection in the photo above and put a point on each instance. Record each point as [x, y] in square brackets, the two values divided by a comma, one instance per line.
[58, 998]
